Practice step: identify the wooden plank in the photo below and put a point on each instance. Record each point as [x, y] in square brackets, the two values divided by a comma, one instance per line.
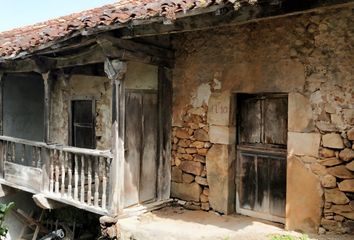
[133, 146]
[115, 70]
[130, 45]
[250, 121]
[247, 185]
[276, 121]
[26, 176]
[148, 166]
[277, 186]
[2, 76]
[165, 128]
[47, 101]
[43, 202]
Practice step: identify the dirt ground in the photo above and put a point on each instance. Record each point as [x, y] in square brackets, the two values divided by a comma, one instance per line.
[176, 223]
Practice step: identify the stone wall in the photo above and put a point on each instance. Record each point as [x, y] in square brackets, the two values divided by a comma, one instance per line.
[308, 56]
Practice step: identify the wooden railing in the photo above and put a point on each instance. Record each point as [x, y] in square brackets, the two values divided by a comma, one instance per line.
[72, 175]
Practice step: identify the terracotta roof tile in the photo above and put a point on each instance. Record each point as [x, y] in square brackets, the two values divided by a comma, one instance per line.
[18, 40]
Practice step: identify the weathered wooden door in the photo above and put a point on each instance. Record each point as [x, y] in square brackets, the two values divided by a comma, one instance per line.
[261, 156]
[141, 131]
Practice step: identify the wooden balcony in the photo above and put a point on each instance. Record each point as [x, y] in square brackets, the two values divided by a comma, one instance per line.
[74, 176]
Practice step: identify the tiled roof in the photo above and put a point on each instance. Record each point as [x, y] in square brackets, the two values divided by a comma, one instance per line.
[26, 39]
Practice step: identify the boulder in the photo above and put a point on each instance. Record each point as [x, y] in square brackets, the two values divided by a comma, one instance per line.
[350, 166]
[332, 225]
[340, 171]
[328, 181]
[350, 134]
[303, 143]
[346, 185]
[346, 154]
[326, 126]
[199, 158]
[332, 140]
[176, 174]
[318, 169]
[201, 181]
[201, 135]
[329, 162]
[197, 144]
[335, 196]
[327, 153]
[187, 178]
[186, 191]
[195, 168]
[204, 198]
[343, 210]
[181, 133]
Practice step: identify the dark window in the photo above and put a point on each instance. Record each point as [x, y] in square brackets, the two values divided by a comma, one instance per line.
[83, 124]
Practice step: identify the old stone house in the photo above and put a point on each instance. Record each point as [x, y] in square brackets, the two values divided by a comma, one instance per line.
[231, 106]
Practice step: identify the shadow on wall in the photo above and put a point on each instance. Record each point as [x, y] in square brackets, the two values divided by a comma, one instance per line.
[22, 201]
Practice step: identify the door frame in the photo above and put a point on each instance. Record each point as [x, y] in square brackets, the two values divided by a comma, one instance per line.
[270, 149]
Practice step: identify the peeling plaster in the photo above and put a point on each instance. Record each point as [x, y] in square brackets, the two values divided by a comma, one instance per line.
[201, 96]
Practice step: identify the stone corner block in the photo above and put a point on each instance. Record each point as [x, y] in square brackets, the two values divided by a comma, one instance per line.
[222, 134]
[300, 118]
[304, 143]
[219, 162]
[303, 189]
[219, 108]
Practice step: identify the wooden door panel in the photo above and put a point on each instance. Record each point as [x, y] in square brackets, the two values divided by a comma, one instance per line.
[275, 121]
[247, 188]
[262, 186]
[149, 148]
[277, 186]
[250, 124]
[133, 129]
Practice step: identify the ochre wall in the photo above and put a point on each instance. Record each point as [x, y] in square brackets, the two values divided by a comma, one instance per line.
[310, 57]
[78, 86]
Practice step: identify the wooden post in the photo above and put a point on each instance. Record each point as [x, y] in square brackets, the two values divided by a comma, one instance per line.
[3, 143]
[2, 76]
[47, 95]
[115, 71]
[164, 141]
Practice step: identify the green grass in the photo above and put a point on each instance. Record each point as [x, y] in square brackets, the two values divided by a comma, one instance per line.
[288, 237]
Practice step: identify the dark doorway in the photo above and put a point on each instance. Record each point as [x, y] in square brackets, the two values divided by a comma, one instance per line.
[83, 124]
[261, 155]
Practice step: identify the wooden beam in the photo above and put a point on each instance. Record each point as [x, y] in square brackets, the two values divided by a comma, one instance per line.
[118, 43]
[21, 65]
[2, 76]
[45, 203]
[227, 16]
[165, 129]
[47, 80]
[115, 71]
[95, 54]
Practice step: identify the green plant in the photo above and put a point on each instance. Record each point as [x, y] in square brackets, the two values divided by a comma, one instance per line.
[288, 237]
[4, 209]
